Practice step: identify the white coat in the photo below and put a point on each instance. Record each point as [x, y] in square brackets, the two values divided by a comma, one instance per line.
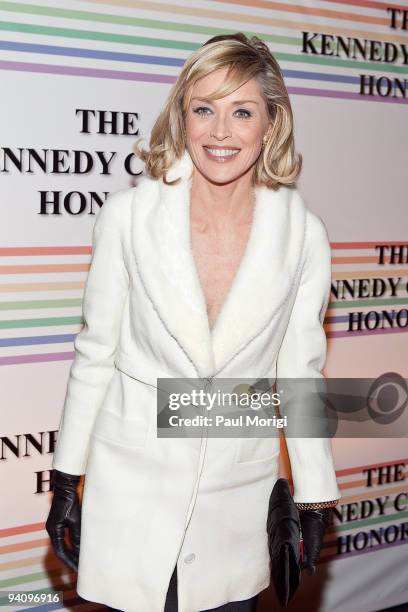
[150, 502]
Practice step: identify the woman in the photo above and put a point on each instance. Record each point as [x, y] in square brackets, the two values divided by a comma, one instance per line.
[212, 266]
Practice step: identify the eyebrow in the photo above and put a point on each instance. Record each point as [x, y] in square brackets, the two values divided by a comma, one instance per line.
[234, 102]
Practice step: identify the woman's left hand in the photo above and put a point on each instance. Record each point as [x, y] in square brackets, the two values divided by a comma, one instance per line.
[314, 524]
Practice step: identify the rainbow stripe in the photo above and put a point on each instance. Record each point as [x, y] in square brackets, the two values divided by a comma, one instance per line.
[55, 305]
[121, 40]
[62, 316]
[32, 543]
[355, 260]
[27, 572]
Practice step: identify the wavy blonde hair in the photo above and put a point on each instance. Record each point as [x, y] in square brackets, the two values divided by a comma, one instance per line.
[244, 58]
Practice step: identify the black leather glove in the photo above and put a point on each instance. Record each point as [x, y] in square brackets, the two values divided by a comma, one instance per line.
[313, 524]
[65, 512]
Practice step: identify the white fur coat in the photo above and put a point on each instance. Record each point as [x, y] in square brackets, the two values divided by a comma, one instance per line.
[151, 502]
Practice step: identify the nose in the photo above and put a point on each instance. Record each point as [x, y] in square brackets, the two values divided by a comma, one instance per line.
[220, 128]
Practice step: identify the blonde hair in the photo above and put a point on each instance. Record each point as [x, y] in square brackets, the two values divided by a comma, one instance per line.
[244, 58]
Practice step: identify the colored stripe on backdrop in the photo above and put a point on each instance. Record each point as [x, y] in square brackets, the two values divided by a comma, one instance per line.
[62, 316]
[344, 268]
[275, 30]
[32, 538]
[266, 18]
[34, 577]
[157, 78]
[363, 265]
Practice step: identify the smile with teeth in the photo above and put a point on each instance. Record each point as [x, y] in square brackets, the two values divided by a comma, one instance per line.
[222, 152]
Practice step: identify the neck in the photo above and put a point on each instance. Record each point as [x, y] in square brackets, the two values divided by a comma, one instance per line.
[222, 202]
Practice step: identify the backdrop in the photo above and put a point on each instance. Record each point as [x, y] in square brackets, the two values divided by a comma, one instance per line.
[80, 82]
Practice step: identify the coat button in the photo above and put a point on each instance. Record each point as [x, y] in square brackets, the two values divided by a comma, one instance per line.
[189, 558]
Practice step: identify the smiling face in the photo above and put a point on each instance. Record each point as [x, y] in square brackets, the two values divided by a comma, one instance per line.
[224, 136]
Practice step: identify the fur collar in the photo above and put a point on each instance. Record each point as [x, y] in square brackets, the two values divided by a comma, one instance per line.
[262, 285]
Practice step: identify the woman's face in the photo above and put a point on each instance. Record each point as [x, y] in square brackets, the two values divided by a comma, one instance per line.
[224, 136]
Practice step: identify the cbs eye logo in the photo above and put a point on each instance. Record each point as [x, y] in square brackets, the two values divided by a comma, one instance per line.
[387, 398]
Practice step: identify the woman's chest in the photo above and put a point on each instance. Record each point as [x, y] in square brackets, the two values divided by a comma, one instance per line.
[217, 256]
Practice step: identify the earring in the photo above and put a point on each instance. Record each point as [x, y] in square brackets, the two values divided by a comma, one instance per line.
[265, 139]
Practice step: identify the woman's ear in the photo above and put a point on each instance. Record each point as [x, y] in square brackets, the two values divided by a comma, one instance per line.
[266, 135]
[268, 131]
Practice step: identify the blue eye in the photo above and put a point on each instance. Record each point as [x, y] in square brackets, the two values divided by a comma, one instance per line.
[247, 113]
[199, 109]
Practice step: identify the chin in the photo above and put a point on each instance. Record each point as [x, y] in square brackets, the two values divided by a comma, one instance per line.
[221, 174]
[221, 177]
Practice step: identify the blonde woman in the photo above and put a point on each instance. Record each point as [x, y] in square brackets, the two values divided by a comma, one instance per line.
[211, 267]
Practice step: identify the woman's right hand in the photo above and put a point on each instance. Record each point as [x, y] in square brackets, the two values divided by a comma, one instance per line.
[65, 512]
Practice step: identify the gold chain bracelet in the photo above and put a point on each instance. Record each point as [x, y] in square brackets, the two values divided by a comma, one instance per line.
[316, 505]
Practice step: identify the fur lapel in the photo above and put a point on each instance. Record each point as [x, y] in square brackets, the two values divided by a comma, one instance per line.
[261, 287]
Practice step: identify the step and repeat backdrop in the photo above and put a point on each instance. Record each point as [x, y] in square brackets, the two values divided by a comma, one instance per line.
[80, 82]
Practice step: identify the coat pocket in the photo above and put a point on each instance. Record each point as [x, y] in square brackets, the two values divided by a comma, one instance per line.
[254, 450]
[120, 430]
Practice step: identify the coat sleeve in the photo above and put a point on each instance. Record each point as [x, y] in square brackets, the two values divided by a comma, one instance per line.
[302, 355]
[106, 288]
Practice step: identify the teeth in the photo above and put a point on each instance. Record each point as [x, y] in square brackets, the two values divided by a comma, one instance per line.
[222, 152]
